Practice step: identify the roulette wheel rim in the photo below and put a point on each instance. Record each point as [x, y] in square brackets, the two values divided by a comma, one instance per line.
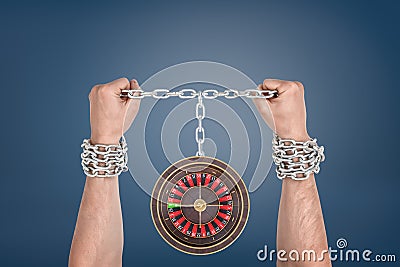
[224, 236]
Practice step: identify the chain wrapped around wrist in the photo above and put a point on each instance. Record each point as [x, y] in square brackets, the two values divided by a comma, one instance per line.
[104, 160]
[296, 160]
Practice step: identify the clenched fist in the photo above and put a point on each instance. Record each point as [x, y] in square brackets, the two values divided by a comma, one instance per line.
[288, 118]
[110, 115]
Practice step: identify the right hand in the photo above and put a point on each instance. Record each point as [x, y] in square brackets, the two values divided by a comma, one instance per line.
[288, 118]
[110, 115]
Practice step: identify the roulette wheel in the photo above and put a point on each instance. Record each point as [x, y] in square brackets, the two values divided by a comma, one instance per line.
[200, 205]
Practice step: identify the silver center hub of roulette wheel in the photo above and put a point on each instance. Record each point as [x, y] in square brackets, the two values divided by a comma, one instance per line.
[200, 205]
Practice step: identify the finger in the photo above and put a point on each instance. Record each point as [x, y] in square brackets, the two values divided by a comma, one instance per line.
[119, 84]
[282, 87]
[261, 103]
[264, 109]
[133, 106]
[135, 86]
[299, 84]
[273, 84]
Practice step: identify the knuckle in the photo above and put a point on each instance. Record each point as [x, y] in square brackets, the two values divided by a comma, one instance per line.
[291, 85]
[125, 80]
[292, 88]
[268, 81]
[94, 90]
[300, 85]
[103, 91]
[121, 81]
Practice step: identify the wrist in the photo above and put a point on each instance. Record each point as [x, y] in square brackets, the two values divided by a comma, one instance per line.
[296, 136]
[293, 130]
[104, 140]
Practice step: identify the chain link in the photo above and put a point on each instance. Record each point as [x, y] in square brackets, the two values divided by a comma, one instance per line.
[187, 93]
[200, 132]
[191, 93]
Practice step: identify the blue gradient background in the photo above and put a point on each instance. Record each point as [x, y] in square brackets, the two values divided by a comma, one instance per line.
[345, 52]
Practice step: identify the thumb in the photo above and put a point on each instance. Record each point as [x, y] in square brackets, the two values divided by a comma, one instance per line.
[134, 85]
[133, 106]
[264, 108]
[119, 84]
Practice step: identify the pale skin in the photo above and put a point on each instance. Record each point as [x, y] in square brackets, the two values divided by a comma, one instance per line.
[98, 236]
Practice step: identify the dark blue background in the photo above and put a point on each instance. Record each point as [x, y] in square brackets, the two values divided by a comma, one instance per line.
[345, 52]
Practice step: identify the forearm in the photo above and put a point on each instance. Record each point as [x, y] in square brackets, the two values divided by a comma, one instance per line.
[98, 237]
[300, 223]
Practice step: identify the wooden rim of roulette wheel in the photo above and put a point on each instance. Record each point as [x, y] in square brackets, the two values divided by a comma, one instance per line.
[200, 205]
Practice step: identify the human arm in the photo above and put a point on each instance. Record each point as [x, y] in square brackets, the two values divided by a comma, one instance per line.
[300, 220]
[98, 236]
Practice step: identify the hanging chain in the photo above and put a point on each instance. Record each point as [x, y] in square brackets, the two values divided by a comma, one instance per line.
[200, 133]
[207, 94]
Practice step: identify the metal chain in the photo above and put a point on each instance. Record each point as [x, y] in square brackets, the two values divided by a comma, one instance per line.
[200, 132]
[104, 160]
[191, 93]
[296, 160]
[200, 109]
